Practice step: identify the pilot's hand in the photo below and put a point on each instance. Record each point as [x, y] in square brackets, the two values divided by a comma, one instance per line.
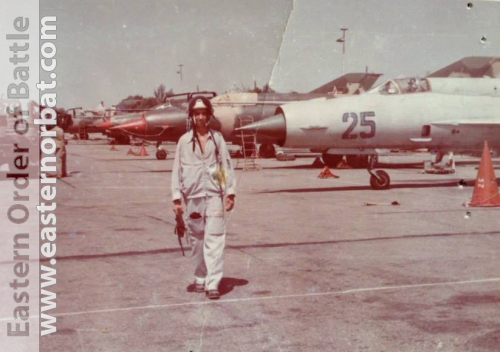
[177, 208]
[230, 203]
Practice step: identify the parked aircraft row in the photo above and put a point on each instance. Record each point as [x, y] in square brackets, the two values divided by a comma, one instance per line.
[442, 114]
[168, 121]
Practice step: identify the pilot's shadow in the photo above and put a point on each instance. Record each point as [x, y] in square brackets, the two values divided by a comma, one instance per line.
[227, 284]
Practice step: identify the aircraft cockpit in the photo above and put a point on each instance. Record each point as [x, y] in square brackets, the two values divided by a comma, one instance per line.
[166, 105]
[403, 86]
[172, 103]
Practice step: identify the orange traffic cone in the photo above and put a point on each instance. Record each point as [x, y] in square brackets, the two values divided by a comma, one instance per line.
[113, 148]
[131, 152]
[142, 151]
[342, 165]
[486, 189]
[326, 173]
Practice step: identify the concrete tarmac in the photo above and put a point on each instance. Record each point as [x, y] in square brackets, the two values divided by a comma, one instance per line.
[308, 265]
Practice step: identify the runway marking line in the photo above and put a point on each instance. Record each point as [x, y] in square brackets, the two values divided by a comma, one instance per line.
[301, 295]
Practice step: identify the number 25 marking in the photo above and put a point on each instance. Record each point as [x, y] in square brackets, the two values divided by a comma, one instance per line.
[364, 122]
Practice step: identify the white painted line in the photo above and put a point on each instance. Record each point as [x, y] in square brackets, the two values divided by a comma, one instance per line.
[250, 299]
[202, 326]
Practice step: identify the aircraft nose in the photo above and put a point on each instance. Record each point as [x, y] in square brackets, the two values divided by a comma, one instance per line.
[138, 127]
[274, 127]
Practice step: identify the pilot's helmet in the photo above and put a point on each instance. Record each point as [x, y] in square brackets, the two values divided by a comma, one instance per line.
[200, 102]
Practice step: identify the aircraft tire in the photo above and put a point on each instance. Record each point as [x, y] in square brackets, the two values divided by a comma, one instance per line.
[383, 183]
[357, 161]
[267, 151]
[161, 154]
[331, 160]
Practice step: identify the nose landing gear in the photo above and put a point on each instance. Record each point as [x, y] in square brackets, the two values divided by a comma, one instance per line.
[161, 154]
[379, 179]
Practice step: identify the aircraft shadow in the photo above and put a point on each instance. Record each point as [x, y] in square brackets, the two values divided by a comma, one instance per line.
[378, 166]
[361, 240]
[265, 245]
[292, 167]
[418, 165]
[390, 166]
[368, 188]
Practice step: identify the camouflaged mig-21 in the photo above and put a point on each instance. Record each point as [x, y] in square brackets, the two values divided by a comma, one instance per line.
[232, 109]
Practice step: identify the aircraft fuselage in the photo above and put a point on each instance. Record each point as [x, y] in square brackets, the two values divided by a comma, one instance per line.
[399, 121]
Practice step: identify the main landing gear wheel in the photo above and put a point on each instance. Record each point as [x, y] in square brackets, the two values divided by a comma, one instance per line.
[380, 180]
[161, 154]
[267, 151]
[331, 160]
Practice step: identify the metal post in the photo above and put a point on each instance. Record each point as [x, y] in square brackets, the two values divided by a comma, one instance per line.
[180, 71]
[343, 49]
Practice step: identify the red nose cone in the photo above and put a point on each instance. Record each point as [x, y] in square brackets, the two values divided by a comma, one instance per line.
[105, 125]
[137, 127]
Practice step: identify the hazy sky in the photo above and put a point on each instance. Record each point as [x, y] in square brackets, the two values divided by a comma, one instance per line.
[110, 49]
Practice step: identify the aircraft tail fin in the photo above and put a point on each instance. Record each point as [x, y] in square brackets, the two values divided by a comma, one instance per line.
[350, 83]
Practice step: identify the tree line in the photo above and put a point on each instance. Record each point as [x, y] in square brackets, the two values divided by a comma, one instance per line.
[160, 95]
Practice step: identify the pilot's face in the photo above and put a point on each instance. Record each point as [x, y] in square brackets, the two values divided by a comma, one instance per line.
[200, 117]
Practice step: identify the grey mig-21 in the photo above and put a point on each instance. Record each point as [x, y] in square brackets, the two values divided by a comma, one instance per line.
[401, 114]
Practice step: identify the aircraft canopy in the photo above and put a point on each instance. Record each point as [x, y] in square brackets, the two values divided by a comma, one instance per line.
[403, 86]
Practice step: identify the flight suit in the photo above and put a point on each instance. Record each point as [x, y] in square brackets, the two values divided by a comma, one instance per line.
[202, 180]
